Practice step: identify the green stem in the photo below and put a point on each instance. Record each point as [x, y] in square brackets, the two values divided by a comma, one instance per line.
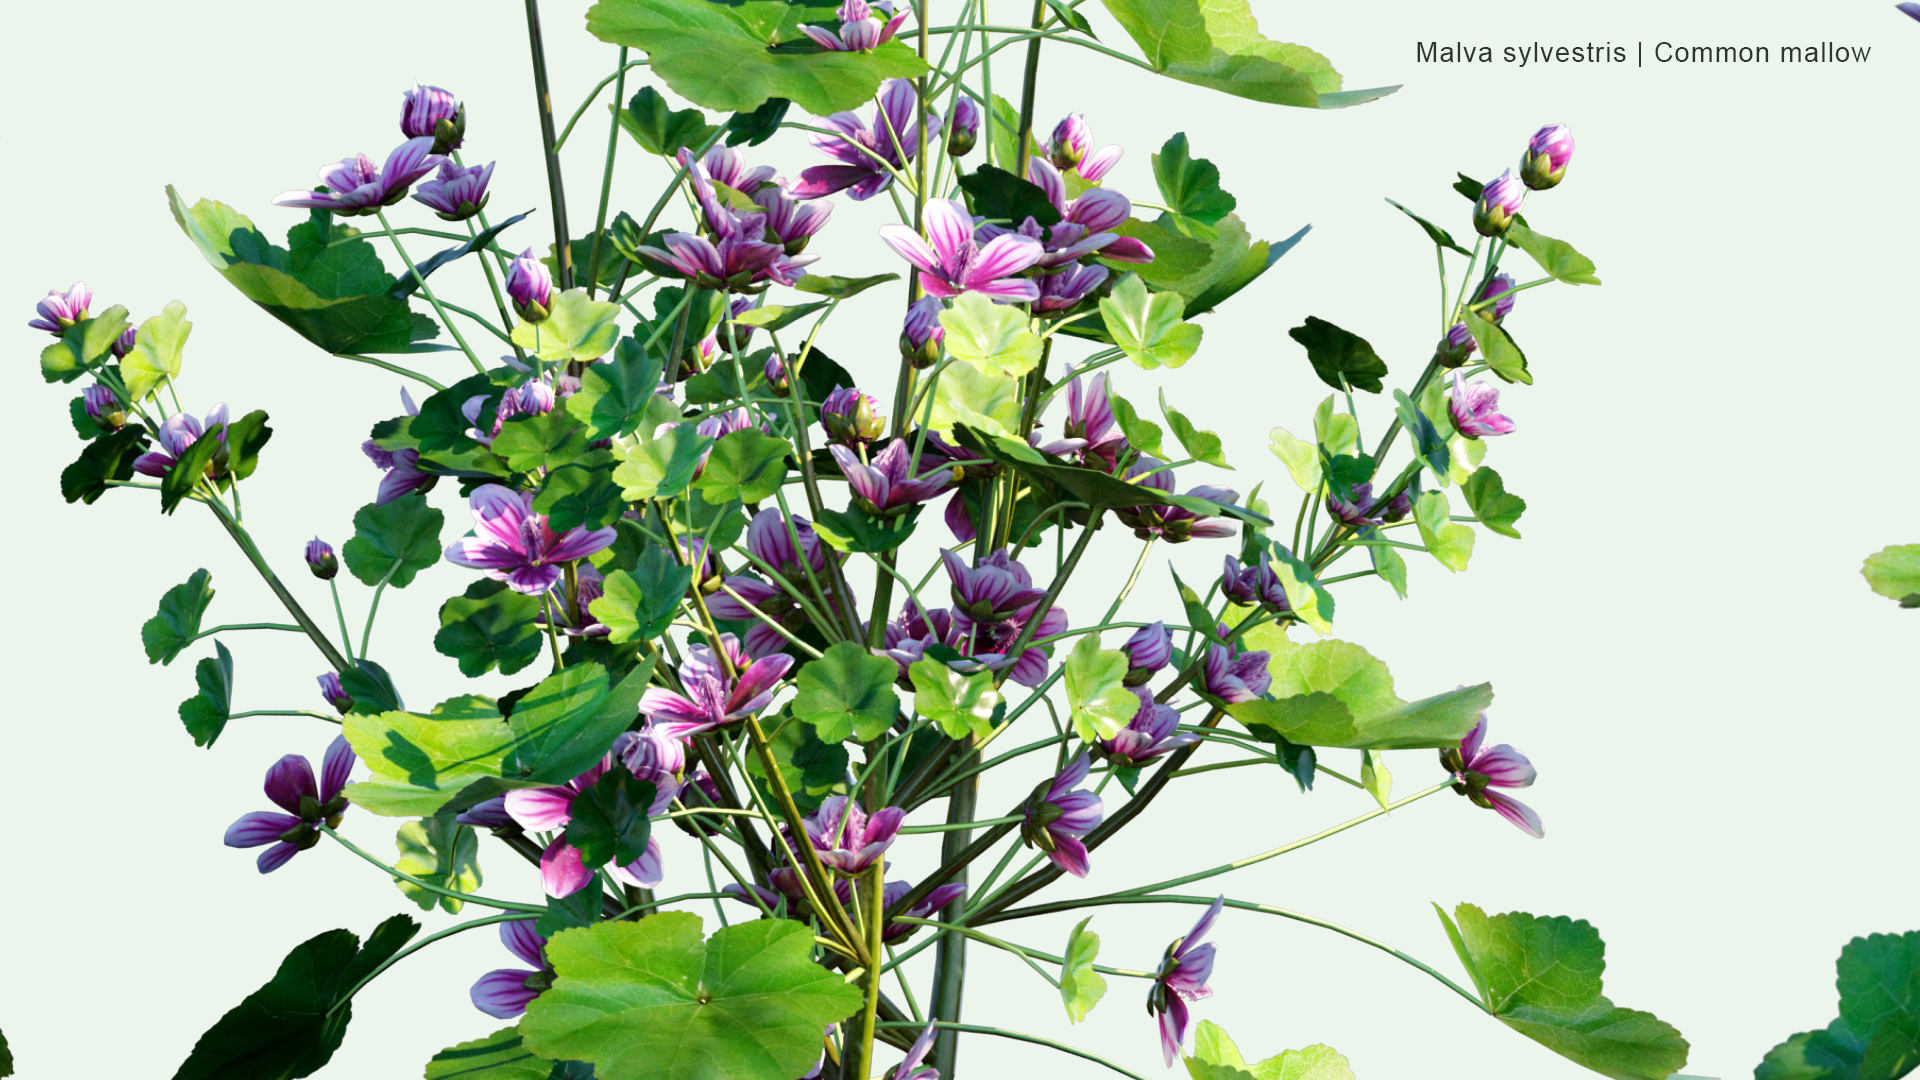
[952, 825]
[416, 947]
[427, 291]
[947, 1027]
[504, 905]
[284, 712]
[240, 536]
[556, 191]
[340, 613]
[395, 368]
[373, 609]
[606, 177]
[249, 626]
[594, 93]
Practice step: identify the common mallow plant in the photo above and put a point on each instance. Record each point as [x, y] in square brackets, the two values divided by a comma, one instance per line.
[768, 617]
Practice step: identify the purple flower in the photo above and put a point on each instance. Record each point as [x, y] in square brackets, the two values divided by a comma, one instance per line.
[712, 700]
[505, 993]
[775, 370]
[1153, 732]
[431, 111]
[964, 127]
[290, 785]
[860, 31]
[103, 405]
[738, 263]
[851, 416]
[953, 263]
[515, 545]
[1183, 978]
[123, 344]
[1072, 148]
[1090, 419]
[1454, 349]
[939, 897]
[1173, 524]
[530, 286]
[1257, 585]
[1912, 11]
[770, 542]
[921, 333]
[789, 220]
[1357, 511]
[456, 194]
[1086, 223]
[1148, 650]
[575, 618]
[1498, 203]
[996, 589]
[868, 149]
[176, 434]
[1501, 282]
[1476, 769]
[907, 637]
[62, 309]
[883, 488]
[1001, 585]
[1473, 407]
[849, 840]
[1065, 290]
[1234, 676]
[1551, 148]
[562, 871]
[488, 814]
[651, 755]
[335, 694]
[404, 475]
[910, 1067]
[321, 560]
[355, 186]
[1057, 817]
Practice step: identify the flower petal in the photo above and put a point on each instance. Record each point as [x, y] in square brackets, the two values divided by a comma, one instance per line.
[259, 827]
[561, 871]
[276, 857]
[524, 941]
[502, 993]
[540, 808]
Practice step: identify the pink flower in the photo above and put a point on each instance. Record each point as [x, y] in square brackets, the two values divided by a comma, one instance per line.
[562, 872]
[860, 31]
[952, 263]
[1474, 407]
[712, 700]
[1477, 769]
[513, 544]
[1058, 817]
[61, 310]
[1183, 978]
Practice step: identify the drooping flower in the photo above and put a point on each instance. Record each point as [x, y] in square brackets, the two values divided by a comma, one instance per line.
[994, 603]
[505, 993]
[62, 309]
[515, 545]
[1174, 524]
[335, 694]
[1500, 283]
[456, 194]
[1153, 732]
[1064, 291]
[1087, 223]
[530, 287]
[1474, 407]
[910, 1068]
[712, 699]
[951, 262]
[1148, 650]
[1476, 770]
[1454, 349]
[290, 785]
[996, 589]
[103, 406]
[884, 488]
[487, 814]
[430, 111]
[562, 870]
[964, 127]
[1182, 978]
[868, 149]
[940, 896]
[851, 416]
[1498, 203]
[921, 333]
[860, 29]
[1234, 676]
[356, 186]
[176, 434]
[848, 839]
[1071, 147]
[1057, 817]
[1548, 153]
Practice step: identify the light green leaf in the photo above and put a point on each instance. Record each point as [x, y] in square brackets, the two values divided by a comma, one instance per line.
[776, 316]
[1301, 459]
[86, 345]
[565, 724]
[748, 465]
[156, 351]
[1143, 435]
[1217, 44]
[1215, 1057]
[848, 692]
[439, 851]
[499, 1056]
[1375, 777]
[1334, 693]
[994, 336]
[1390, 566]
[1148, 327]
[1199, 445]
[1498, 348]
[1311, 602]
[1429, 445]
[394, 541]
[649, 1000]
[205, 713]
[177, 623]
[1449, 542]
[1894, 572]
[1556, 257]
[1496, 509]
[1081, 987]
[661, 466]
[1541, 977]
[958, 703]
[841, 288]
[1337, 432]
[576, 329]
[972, 396]
[1102, 704]
[420, 762]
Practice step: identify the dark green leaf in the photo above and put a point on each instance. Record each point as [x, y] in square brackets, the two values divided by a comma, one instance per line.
[1341, 359]
[86, 345]
[841, 287]
[177, 622]
[857, 530]
[659, 128]
[1428, 443]
[571, 912]
[812, 767]
[410, 282]
[109, 458]
[1256, 260]
[541, 441]
[1000, 196]
[187, 470]
[609, 820]
[575, 496]
[245, 437]
[1191, 186]
[370, 687]
[442, 427]
[1877, 1035]
[6, 1056]
[774, 316]
[489, 626]
[820, 375]
[499, 1056]
[748, 465]
[848, 692]
[1497, 346]
[205, 714]
[759, 125]
[1488, 496]
[639, 605]
[1434, 232]
[394, 541]
[614, 395]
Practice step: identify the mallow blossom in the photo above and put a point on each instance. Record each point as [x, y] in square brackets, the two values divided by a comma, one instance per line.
[176, 434]
[530, 286]
[951, 262]
[714, 700]
[1477, 770]
[963, 128]
[1548, 154]
[335, 694]
[505, 993]
[1234, 676]
[1174, 524]
[884, 488]
[993, 604]
[847, 838]
[910, 1067]
[1500, 283]
[515, 545]
[1499, 203]
[1057, 817]
[562, 871]
[1182, 978]
[1148, 650]
[402, 467]
[62, 309]
[431, 111]
[868, 149]
[860, 29]
[457, 193]
[1086, 223]
[1475, 408]
[308, 806]
[1258, 585]
[356, 186]
[1071, 147]
[1153, 732]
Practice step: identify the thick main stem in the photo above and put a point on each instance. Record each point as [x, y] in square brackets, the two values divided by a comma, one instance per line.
[556, 193]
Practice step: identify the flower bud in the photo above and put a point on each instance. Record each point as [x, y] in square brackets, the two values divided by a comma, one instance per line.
[1070, 143]
[123, 344]
[1400, 507]
[321, 560]
[776, 372]
[1548, 152]
[964, 128]
[335, 694]
[1148, 650]
[1498, 203]
[1502, 282]
[921, 335]
[104, 407]
[429, 110]
[851, 417]
[1454, 349]
[62, 309]
[530, 286]
[456, 194]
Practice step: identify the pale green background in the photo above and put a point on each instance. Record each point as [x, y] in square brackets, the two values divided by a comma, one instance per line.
[1721, 712]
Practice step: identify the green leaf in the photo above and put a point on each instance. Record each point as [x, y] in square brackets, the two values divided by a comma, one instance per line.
[1191, 186]
[420, 762]
[177, 623]
[1197, 614]
[775, 316]
[1000, 196]
[499, 1056]
[1102, 704]
[6, 1056]
[848, 692]
[205, 714]
[541, 441]
[565, 724]
[109, 457]
[489, 626]
[1338, 432]
[958, 703]
[1434, 232]
[1064, 9]
[1005, 146]
[1375, 777]
[1217, 44]
[1388, 564]
[1496, 509]
[442, 427]
[86, 345]
[660, 129]
[576, 329]
[1148, 328]
[1341, 359]
[291, 1026]
[1302, 459]
[1877, 1035]
[841, 288]
[1334, 693]
[409, 283]
[650, 999]
[1091, 486]
[1199, 445]
[1894, 572]
[155, 356]
[186, 473]
[394, 541]
[857, 530]
[608, 822]
[370, 687]
[1429, 445]
[639, 605]
[582, 908]
[994, 336]
[661, 466]
[1081, 987]
[1541, 977]
[577, 496]
[1215, 1057]
[748, 465]
[812, 768]
[1449, 542]
[1556, 257]
[757, 126]
[1311, 602]
[245, 438]
[1497, 347]
[1142, 435]
[613, 396]
[724, 57]
[974, 397]
[439, 851]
